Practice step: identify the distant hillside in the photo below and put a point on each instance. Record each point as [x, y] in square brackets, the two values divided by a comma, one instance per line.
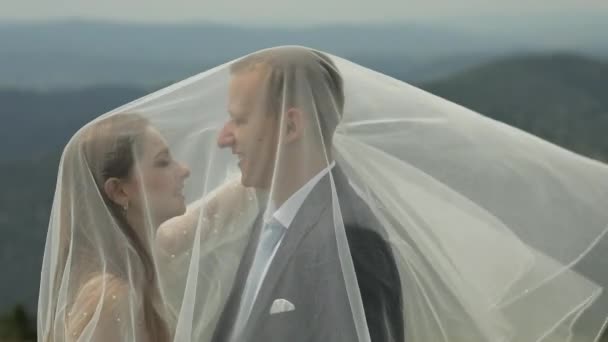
[76, 53]
[39, 122]
[27, 190]
[559, 97]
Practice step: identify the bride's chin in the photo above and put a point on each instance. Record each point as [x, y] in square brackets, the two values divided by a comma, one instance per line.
[177, 212]
[180, 209]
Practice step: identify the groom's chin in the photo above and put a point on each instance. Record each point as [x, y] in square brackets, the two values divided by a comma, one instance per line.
[248, 182]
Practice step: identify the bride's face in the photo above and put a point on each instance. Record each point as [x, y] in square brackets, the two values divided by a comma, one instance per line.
[157, 180]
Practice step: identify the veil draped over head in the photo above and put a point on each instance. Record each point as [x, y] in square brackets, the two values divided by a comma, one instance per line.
[325, 202]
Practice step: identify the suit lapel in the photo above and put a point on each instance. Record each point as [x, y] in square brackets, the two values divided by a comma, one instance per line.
[307, 217]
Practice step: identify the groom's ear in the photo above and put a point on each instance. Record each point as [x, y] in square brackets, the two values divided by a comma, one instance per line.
[293, 124]
[116, 192]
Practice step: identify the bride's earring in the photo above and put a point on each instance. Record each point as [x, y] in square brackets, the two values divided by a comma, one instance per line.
[126, 206]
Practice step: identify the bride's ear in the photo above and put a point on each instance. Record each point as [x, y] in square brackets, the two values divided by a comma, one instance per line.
[116, 192]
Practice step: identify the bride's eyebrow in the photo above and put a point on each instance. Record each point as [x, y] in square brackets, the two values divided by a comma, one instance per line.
[164, 151]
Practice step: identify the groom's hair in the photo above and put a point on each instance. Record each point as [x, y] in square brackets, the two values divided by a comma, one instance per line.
[316, 74]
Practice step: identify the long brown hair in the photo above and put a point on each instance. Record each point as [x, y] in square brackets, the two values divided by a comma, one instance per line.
[110, 148]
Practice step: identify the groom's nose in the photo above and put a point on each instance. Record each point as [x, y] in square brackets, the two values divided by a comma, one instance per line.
[226, 136]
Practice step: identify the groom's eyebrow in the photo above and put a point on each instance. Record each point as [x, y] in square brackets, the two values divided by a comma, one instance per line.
[236, 111]
[236, 116]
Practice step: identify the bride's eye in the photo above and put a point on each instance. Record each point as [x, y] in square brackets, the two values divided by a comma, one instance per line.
[162, 163]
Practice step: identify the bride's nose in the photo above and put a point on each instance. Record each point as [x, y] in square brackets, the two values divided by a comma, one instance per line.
[185, 170]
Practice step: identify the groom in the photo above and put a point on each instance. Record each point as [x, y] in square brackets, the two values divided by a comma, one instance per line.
[295, 281]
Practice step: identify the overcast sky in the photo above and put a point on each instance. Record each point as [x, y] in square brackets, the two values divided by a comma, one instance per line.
[271, 12]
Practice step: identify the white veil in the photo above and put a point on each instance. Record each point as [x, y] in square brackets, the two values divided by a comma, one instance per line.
[427, 221]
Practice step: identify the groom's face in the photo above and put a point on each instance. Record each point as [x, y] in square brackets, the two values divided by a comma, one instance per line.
[251, 132]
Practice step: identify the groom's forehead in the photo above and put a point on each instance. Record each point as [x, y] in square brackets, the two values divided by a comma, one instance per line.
[246, 91]
[249, 81]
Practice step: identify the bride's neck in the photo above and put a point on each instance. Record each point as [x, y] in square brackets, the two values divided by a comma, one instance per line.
[142, 227]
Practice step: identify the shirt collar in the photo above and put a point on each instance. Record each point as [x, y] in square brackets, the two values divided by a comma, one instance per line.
[288, 210]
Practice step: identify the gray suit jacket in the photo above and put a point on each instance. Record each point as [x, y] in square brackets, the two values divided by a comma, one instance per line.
[306, 271]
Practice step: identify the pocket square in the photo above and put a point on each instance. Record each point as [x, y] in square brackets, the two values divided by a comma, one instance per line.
[281, 305]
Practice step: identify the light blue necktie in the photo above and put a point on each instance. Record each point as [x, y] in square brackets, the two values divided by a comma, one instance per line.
[271, 234]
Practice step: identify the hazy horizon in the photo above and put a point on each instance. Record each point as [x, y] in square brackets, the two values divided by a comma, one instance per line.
[285, 13]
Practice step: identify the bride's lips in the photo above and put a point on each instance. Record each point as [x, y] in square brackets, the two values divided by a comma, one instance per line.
[241, 159]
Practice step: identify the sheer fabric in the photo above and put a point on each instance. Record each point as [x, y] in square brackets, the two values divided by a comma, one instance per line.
[407, 217]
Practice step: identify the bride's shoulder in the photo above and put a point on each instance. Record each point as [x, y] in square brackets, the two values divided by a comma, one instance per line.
[103, 286]
[104, 292]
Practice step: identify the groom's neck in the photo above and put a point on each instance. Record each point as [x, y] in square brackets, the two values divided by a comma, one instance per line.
[293, 178]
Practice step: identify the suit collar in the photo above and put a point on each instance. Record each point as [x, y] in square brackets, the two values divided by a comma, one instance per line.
[287, 212]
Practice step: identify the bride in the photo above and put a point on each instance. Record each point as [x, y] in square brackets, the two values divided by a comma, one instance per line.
[117, 180]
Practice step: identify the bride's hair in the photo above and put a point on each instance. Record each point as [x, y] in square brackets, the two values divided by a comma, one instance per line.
[109, 148]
